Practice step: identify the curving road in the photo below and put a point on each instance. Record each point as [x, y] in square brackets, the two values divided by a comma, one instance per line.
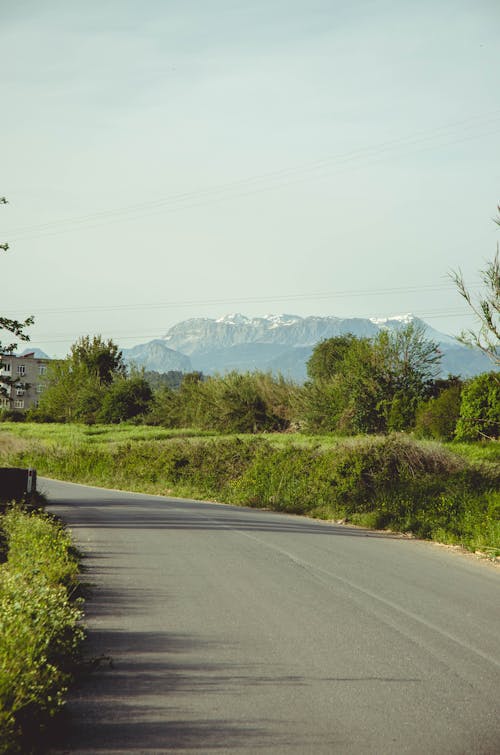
[241, 631]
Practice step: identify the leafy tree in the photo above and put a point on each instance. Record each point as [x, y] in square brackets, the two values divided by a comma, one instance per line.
[486, 309]
[480, 409]
[408, 364]
[347, 401]
[101, 358]
[71, 394]
[328, 356]
[369, 385]
[125, 398]
[74, 388]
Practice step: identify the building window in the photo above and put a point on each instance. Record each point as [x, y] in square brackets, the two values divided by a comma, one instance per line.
[21, 369]
[39, 388]
[19, 391]
[4, 402]
[18, 404]
[42, 369]
[5, 367]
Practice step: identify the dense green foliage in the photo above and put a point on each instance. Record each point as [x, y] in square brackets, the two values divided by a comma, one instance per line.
[480, 408]
[91, 385]
[356, 385]
[40, 630]
[362, 385]
[125, 398]
[232, 403]
[438, 416]
[100, 358]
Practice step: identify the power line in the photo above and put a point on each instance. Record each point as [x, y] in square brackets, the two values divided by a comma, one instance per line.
[261, 182]
[314, 296]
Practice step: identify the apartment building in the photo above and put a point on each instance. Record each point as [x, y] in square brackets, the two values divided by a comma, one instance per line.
[21, 381]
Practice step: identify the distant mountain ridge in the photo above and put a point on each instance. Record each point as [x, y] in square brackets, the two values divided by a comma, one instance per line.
[156, 356]
[278, 343]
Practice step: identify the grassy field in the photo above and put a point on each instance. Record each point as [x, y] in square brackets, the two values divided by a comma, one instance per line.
[448, 492]
[71, 434]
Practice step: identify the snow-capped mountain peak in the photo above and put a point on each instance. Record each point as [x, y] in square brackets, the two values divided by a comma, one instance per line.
[234, 318]
[382, 322]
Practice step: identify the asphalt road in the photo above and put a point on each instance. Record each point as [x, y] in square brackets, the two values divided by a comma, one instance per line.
[241, 631]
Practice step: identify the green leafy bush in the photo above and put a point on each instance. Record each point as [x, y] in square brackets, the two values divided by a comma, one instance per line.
[39, 546]
[40, 628]
[437, 418]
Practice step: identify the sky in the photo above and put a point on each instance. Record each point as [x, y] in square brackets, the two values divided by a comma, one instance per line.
[172, 159]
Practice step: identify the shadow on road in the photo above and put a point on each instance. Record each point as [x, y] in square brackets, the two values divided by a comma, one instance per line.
[149, 513]
[123, 703]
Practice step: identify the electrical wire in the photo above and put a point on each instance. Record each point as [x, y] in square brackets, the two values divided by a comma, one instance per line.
[313, 296]
[270, 180]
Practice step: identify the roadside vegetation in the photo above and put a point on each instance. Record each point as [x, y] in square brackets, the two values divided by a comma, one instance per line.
[40, 625]
[449, 492]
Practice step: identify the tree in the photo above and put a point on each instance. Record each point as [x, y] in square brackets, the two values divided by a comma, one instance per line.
[369, 385]
[328, 356]
[480, 409]
[75, 387]
[125, 398]
[71, 394]
[408, 363]
[102, 358]
[486, 309]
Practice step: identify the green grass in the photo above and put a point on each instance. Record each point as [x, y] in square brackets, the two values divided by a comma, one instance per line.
[488, 451]
[67, 434]
[40, 630]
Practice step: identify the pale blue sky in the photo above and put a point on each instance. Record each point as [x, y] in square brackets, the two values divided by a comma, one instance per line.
[322, 158]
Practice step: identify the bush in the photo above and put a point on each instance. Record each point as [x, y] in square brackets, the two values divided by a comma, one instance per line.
[11, 415]
[437, 418]
[39, 627]
[124, 399]
[39, 546]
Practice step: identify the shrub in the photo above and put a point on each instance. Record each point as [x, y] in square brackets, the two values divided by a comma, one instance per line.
[480, 408]
[437, 417]
[39, 546]
[125, 398]
[39, 627]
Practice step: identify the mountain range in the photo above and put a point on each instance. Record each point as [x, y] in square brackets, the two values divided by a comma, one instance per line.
[279, 344]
